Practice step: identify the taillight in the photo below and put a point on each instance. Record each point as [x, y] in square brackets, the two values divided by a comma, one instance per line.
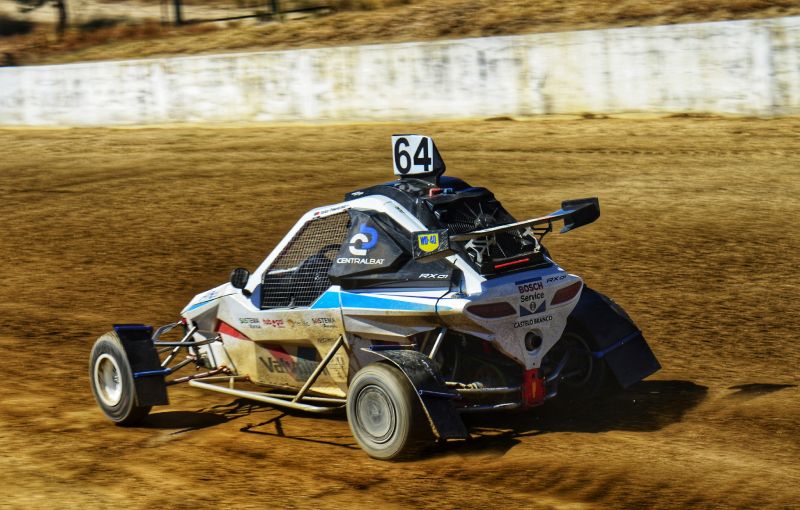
[512, 263]
[567, 293]
[492, 310]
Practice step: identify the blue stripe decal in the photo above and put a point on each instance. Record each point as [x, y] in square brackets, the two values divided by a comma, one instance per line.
[133, 327]
[148, 373]
[198, 305]
[616, 345]
[350, 300]
[330, 299]
[529, 280]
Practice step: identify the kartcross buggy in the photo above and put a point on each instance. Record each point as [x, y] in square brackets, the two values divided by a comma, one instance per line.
[407, 304]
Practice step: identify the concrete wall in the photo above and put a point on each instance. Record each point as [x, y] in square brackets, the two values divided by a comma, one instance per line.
[741, 67]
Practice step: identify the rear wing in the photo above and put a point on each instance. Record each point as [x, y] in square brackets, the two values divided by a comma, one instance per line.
[575, 213]
[430, 245]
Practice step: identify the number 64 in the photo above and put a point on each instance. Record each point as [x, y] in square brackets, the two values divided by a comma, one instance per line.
[420, 163]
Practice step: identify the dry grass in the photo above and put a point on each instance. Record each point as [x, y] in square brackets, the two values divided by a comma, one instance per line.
[373, 21]
[366, 5]
[44, 46]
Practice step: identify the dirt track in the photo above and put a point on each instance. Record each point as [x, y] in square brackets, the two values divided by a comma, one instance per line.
[698, 240]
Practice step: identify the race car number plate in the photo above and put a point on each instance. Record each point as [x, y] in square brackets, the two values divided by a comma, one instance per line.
[412, 154]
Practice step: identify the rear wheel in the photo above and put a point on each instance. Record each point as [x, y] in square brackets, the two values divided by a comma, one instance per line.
[582, 375]
[111, 379]
[385, 414]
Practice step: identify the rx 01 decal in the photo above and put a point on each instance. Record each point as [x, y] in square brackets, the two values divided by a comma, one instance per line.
[433, 276]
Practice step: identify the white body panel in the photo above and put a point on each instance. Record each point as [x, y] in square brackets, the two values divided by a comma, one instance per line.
[526, 291]
[267, 345]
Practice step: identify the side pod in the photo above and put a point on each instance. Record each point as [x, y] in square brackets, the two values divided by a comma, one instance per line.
[143, 357]
[619, 340]
[436, 398]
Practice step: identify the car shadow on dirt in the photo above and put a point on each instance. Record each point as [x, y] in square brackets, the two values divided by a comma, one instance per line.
[752, 390]
[269, 421]
[645, 407]
[274, 427]
[185, 421]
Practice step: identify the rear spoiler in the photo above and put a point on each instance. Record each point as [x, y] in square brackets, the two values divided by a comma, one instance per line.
[575, 213]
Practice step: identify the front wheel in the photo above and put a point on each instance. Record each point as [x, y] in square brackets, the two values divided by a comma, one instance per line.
[111, 379]
[385, 414]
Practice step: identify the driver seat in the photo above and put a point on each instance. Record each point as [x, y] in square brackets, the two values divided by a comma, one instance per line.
[310, 280]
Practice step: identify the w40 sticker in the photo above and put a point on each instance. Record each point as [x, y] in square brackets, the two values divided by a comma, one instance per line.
[428, 241]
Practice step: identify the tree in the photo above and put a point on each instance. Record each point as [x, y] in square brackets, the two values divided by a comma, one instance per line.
[60, 5]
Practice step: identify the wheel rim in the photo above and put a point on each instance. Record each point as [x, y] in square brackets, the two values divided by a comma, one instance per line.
[490, 376]
[578, 370]
[108, 380]
[376, 414]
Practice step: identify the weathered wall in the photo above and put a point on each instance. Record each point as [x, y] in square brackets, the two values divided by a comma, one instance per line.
[740, 67]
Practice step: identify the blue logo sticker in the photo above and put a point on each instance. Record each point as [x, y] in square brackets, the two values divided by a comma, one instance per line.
[367, 236]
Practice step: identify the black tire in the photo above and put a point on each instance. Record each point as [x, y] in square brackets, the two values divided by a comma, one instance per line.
[111, 378]
[587, 375]
[385, 414]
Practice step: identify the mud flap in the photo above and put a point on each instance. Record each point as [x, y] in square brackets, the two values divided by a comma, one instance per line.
[619, 341]
[143, 357]
[436, 398]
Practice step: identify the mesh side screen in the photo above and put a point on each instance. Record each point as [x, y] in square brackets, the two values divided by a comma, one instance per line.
[299, 275]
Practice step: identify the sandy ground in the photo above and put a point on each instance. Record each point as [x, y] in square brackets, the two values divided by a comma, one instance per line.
[698, 240]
